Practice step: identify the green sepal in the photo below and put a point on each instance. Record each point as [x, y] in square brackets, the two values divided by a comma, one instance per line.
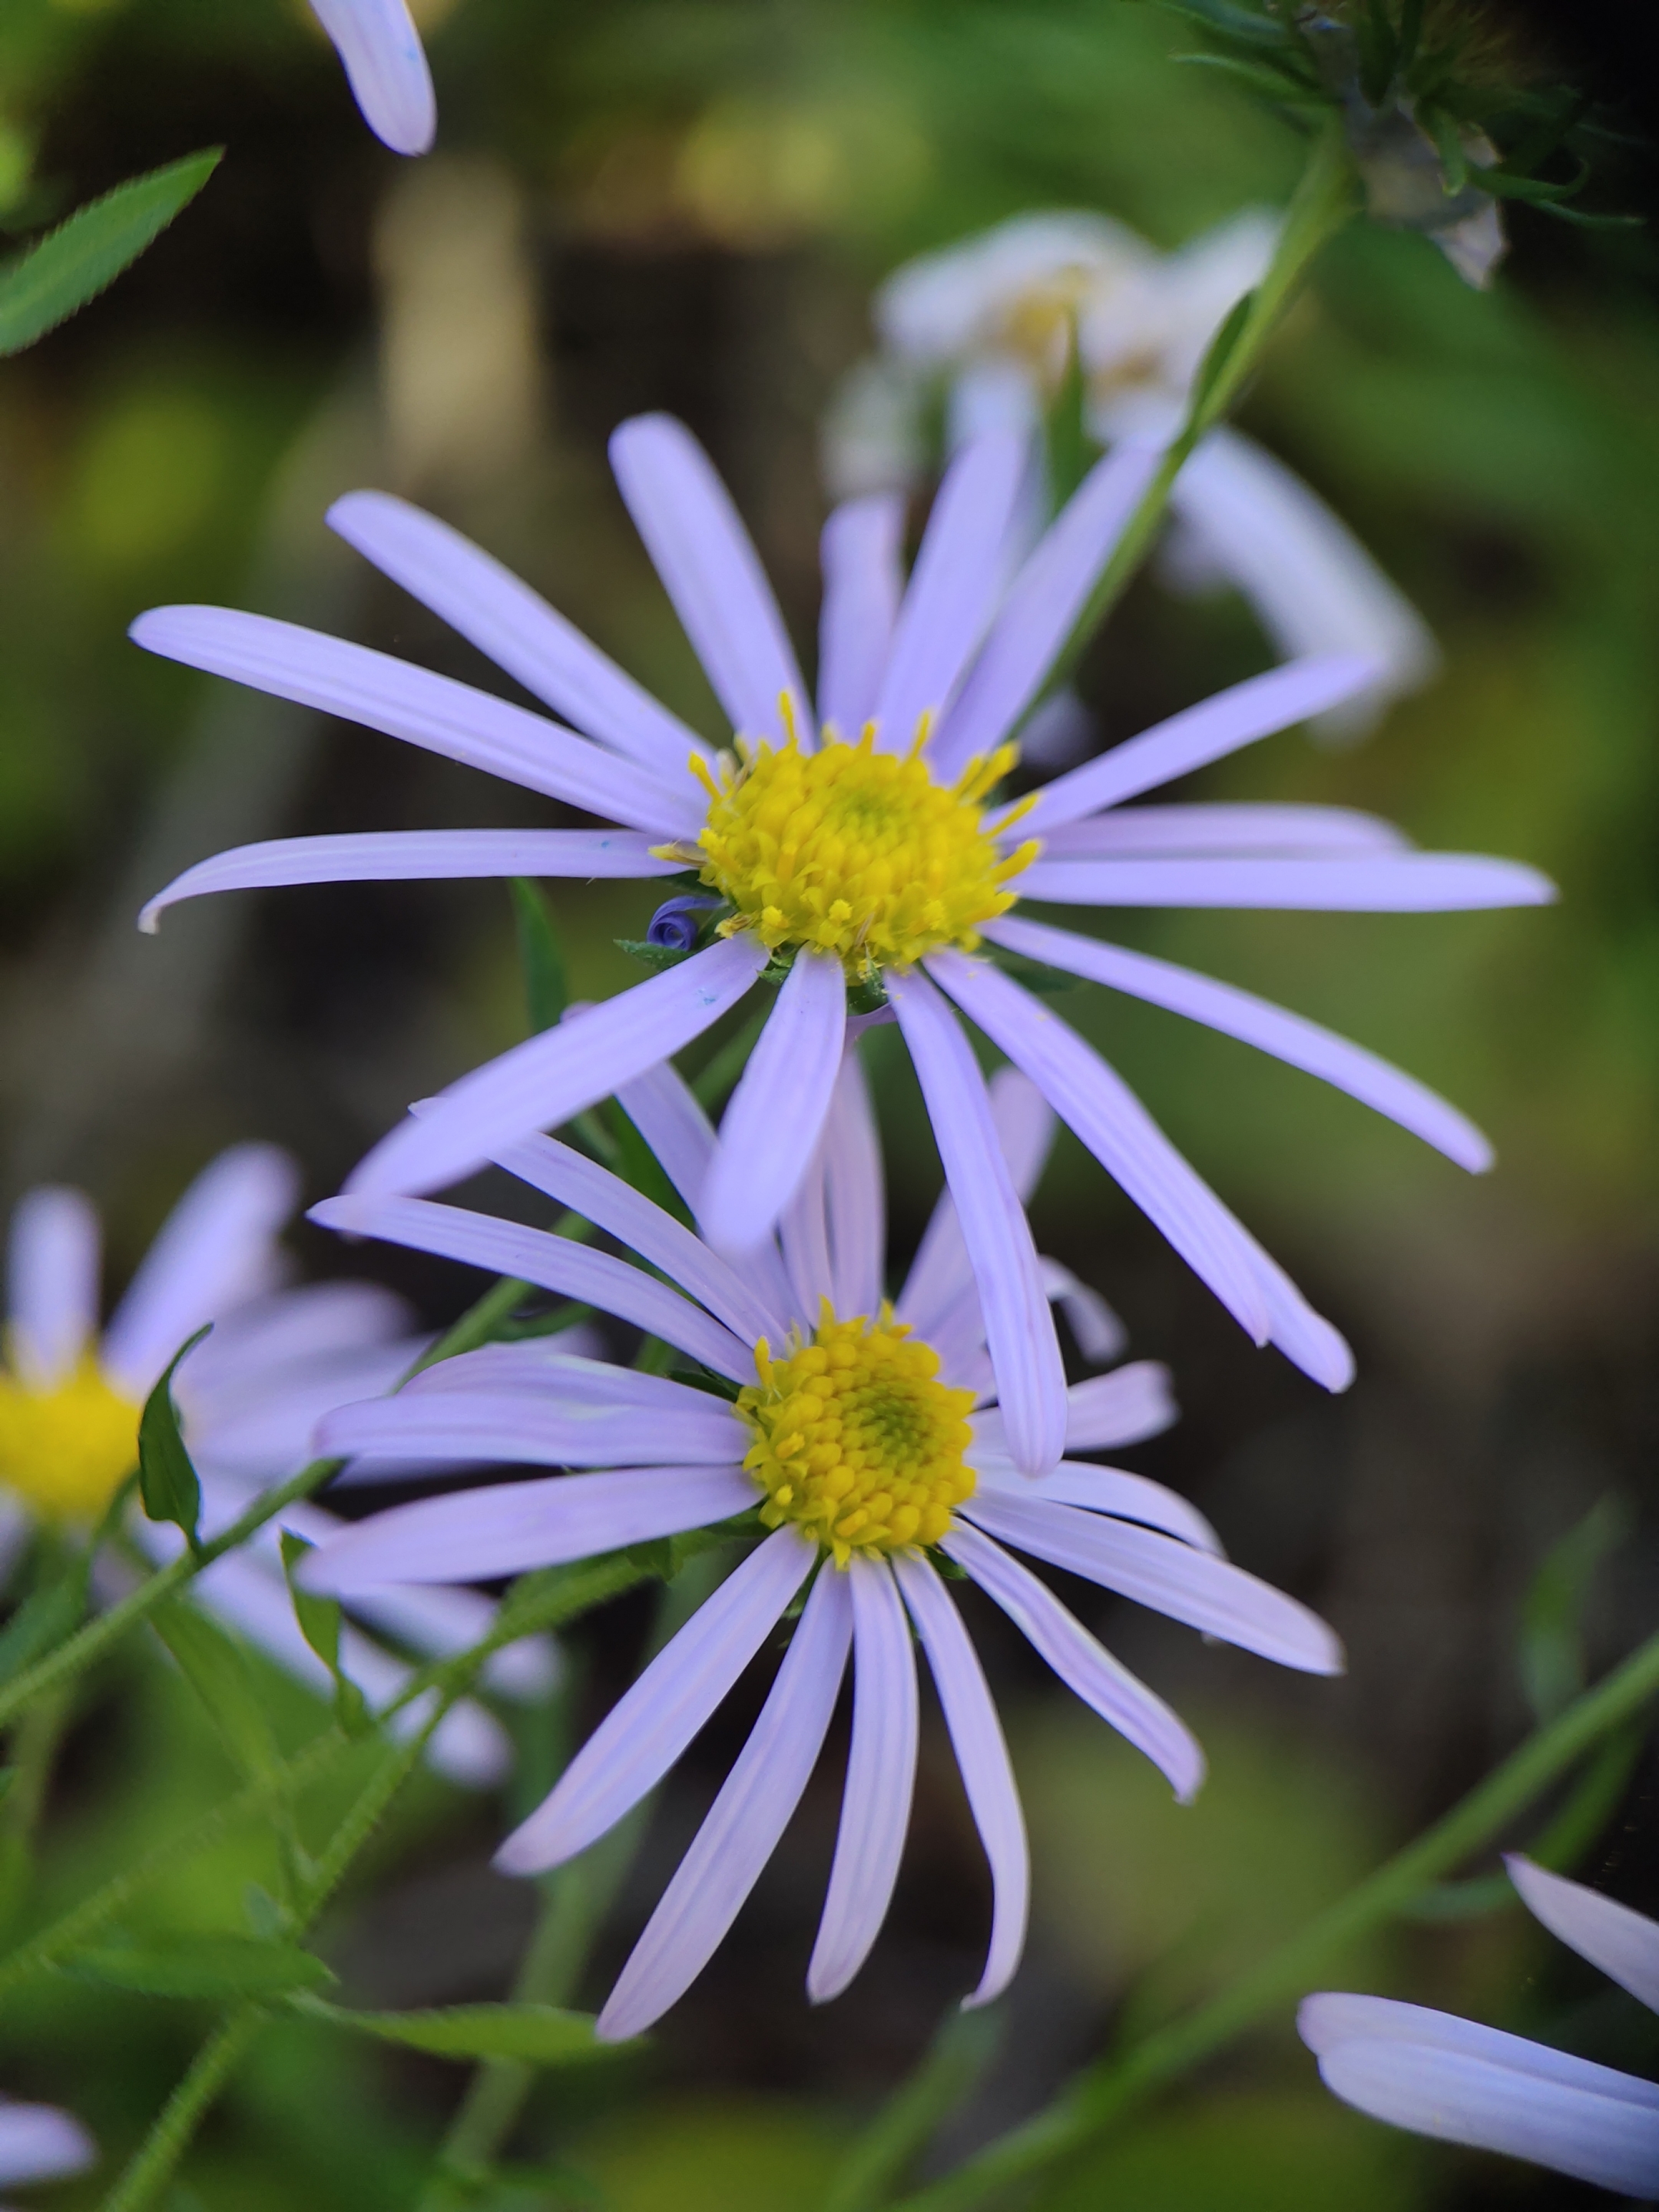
[167, 1480]
[867, 995]
[203, 1966]
[657, 957]
[540, 2035]
[541, 955]
[217, 1670]
[320, 1624]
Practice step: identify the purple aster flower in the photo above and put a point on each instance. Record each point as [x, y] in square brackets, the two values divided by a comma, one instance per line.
[1452, 2078]
[860, 1436]
[248, 1397]
[861, 848]
[38, 2142]
[385, 66]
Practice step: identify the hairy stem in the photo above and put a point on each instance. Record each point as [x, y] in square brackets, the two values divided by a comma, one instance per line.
[185, 2110]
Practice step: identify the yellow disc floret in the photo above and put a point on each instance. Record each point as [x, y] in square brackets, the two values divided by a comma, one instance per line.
[856, 1439]
[854, 852]
[66, 1450]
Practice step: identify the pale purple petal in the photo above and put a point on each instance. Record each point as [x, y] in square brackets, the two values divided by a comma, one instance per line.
[940, 1274]
[215, 1249]
[483, 599]
[53, 1259]
[804, 1241]
[386, 69]
[263, 1434]
[40, 2143]
[1209, 1594]
[1241, 828]
[863, 581]
[1108, 1411]
[1041, 610]
[316, 1319]
[1019, 1328]
[556, 1263]
[1099, 1334]
[1378, 883]
[881, 1772]
[853, 1192]
[435, 712]
[614, 1206]
[408, 856]
[987, 1776]
[1255, 709]
[1110, 1490]
[953, 587]
[1623, 1943]
[510, 1528]
[1085, 1666]
[643, 1734]
[534, 1429]
[663, 1107]
[711, 571]
[1255, 1021]
[543, 1366]
[548, 1078]
[745, 1821]
[771, 1125]
[1461, 2083]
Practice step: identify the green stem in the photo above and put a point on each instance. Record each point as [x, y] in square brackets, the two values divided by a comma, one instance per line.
[1106, 2090]
[957, 2055]
[185, 2110]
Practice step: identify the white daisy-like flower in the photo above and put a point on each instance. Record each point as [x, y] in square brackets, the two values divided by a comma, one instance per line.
[858, 1434]
[991, 322]
[877, 864]
[387, 68]
[38, 2142]
[248, 1397]
[1462, 2083]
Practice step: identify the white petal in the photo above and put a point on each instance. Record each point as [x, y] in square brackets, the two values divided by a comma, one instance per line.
[643, 1734]
[982, 1753]
[1623, 1943]
[1111, 1489]
[771, 1125]
[1019, 1328]
[40, 2143]
[854, 1198]
[533, 1429]
[376, 41]
[511, 1527]
[1369, 882]
[502, 616]
[1104, 1685]
[53, 1259]
[881, 1771]
[435, 712]
[1241, 828]
[215, 1249]
[711, 571]
[863, 581]
[550, 1078]
[1255, 1021]
[744, 1822]
[556, 1263]
[1209, 1594]
[953, 588]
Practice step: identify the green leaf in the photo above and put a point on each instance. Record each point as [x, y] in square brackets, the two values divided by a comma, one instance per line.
[638, 1165]
[74, 262]
[217, 1671]
[44, 1617]
[542, 2035]
[1072, 451]
[320, 1624]
[1552, 1652]
[541, 955]
[167, 1479]
[1219, 352]
[1231, 24]
[1267, 83]
[657, 957]
[203, 1966]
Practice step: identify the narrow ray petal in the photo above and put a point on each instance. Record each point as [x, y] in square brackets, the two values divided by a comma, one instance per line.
[1255, 1021]
[1104, 1685]
[939, 1273]
[803, 1240]
[643, 1734]
[987, 1776]
[744, 1822]
[532, 1429]
[483, 599]
[1108, 1411]
[1241, 828]
[1019, 1328]
[40, 2143]
[563, 1378]
[863, 582]
[550, 1078]
[1375, 883]
[54, 1256]
[881, 1770]
[711, 571]
[1623, 1943]
[853, 1192]
[433, 712]
[771, 1125]
[1111, 1489]
[1099, 1334]
[386, 69]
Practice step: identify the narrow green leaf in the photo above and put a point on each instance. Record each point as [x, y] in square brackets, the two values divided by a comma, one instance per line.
[542, 2035]
[320, 1624]
[44, 1617]
[217, 1671]
[1262, 79]
[541, 955]
[167, 1479]
[203, 1966]
[637, 1164]
[721, 1073]
[1231, 24]
[1553, 1671]
[1219, 352]
[74, 262]
[1071, 450]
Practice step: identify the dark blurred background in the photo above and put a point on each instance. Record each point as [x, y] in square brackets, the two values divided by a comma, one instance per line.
[684, 205]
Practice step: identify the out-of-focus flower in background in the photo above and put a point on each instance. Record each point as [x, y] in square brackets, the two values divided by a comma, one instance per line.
[985, 334]
[387, 66]
[37, 2143]
[854, 1433]
[1462, 2083]
[248, 1397]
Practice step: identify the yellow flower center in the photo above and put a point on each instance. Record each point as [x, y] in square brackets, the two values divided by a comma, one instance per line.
[854, 852]
[67, 1450]
[856, 1439]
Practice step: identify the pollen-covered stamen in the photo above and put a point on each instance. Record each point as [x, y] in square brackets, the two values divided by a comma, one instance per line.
[856, 1439]
[854, 852]
[65, 1451]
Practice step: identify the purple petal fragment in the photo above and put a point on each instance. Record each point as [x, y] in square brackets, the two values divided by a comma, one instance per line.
[1110, 1490]
[53, 1259]
[1382, 883]
[852, 1193]
[532, 1428]
[771, 1125]
[1242, 828]
[863, 583]
[1623, 1943]
[1108, 1411]
[40, 2143]
[386, 69]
